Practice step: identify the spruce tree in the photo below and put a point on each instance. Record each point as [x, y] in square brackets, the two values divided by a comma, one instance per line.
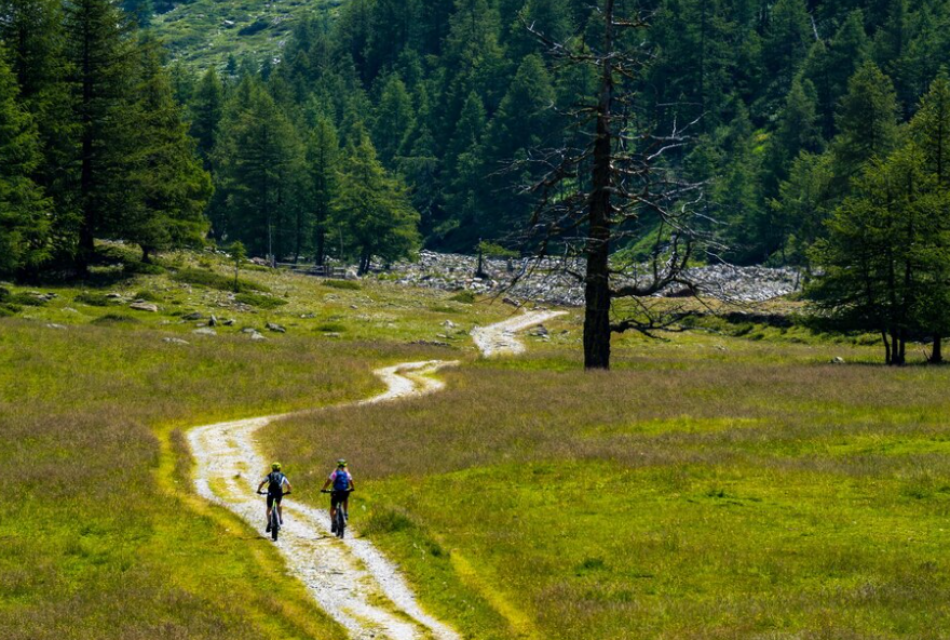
[207, 109]
[372, 208]
[24, 212]
[172, 189]
[323, 149]
[98, 44]
[395, 121]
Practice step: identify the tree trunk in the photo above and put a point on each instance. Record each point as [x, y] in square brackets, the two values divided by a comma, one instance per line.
[321, 256]
[937, 356]
[146, 255]
[887, 348]
[597, 296]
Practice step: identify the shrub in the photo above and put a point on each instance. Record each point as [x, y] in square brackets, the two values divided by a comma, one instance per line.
[144, 268]
[332, 327]
[94, 299]
[465, 297]
[216, 281]
[387, 521]
[259, 301]
[25, 300]
[348, 285]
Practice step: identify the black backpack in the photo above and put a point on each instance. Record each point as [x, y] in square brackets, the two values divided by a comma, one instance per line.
[275, 485]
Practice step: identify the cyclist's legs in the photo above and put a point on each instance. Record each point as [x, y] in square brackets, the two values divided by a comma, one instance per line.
[270, 506]
[280, 509]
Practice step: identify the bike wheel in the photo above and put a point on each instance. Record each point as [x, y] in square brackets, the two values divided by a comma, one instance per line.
[274, 528]
[340, 523]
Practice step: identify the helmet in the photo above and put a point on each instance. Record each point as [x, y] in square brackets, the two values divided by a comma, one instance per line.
[275, 466]
[341, 462]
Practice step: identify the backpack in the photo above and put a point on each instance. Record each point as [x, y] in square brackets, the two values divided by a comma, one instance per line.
[275, 481]
[341, 482]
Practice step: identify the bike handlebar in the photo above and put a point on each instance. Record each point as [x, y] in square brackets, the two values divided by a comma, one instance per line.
[335, 491]
[264, 493]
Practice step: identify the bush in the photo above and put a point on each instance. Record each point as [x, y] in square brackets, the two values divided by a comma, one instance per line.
[144, 268]
[347, 285]
[332, 327]
[94, 299]
[387, 521]
[25, 300]
[465, 297]
[259, 301]
[216, 281]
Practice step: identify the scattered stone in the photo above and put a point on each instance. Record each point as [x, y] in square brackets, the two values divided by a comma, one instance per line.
[510, 302]
[175, 341]
[352, 274]
[354, 307]
[257, 336]
[114, 296]
[141, 305]
[212, 321]
[308, 316]
[333, 334]
[448, 324]
[53, 325]
[838, 360]
[540, 331]
[431, 343]
[70, 310]
[206, 331]
[229, 322]
[193, 316]
[275, 328]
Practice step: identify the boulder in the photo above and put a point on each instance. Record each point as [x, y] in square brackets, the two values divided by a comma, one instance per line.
[257, 336]
[212, 321]
[141, 305]
[207, 331]
[53, 325]
[838, 360]
[275, 328]
[178, 341]
[193, 316]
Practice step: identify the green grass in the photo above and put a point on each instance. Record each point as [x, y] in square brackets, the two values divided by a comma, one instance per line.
[259, 301]
[199, 33]
[710, 487]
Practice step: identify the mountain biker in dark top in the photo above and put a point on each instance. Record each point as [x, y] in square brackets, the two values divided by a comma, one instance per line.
[275, 481]
[342, 482]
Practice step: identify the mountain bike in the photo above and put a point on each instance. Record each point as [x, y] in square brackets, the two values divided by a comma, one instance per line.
[274, 516]
[339, 524]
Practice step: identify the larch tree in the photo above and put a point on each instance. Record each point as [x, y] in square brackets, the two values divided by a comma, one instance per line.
[25, 214]
[602, 183]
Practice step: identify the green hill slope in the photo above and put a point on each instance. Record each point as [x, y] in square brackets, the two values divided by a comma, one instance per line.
[206, 32]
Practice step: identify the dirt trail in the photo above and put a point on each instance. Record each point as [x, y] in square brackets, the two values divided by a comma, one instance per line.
[351, 580]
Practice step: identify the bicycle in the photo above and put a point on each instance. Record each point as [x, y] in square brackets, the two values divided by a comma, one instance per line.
[274, 516]
[339, 525]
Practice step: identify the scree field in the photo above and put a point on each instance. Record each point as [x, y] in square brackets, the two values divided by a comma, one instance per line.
[713, 485]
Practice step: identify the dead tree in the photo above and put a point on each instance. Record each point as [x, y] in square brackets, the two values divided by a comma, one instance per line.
[609, 180]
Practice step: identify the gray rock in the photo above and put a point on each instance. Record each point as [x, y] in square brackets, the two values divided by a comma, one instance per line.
[141, 305]
[448, 324]
[257, 336]
[53, 325]
[838, 360]
[193, 316]
[178, 341]
[229, 322]
[275, 328]
[212, 321]
[114, 296]
[249, 330]
[207, 331]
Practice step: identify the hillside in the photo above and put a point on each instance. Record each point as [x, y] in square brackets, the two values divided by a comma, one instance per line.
[206, 33]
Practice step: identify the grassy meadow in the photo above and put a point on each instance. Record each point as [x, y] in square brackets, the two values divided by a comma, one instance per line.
[710, 487]
[100, 535]
[727, 482]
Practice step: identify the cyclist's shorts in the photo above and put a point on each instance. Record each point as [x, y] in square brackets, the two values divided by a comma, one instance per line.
[271, 499]
[338, 497]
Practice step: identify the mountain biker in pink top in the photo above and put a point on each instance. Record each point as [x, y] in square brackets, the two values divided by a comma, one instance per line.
[342, 482]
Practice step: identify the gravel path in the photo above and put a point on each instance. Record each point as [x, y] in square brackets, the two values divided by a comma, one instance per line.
[351, 579]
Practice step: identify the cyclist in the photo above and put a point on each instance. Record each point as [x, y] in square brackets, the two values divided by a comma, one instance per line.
[275, 481]
[342, 482]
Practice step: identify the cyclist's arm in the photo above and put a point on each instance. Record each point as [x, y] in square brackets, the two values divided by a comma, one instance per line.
[325, 485]
[352, 484]
[289, 487]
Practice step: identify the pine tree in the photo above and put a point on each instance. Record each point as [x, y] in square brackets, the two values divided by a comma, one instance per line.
[260, 165]
[787, 42]
[102, 79]
[372, 208]
[867, 122]
[322, 167]
[797, 131]
[172, 189]
[24, 212]
[395, 121]
[207, 109]
[930, 132]
[33, 31]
